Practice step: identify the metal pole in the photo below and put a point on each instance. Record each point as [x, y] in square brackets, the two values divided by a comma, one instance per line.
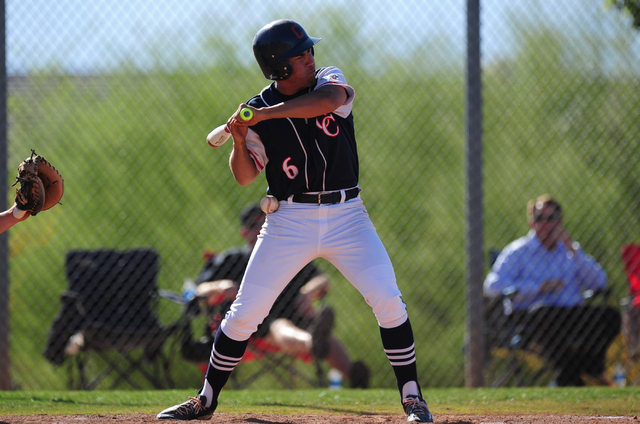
[474, 213]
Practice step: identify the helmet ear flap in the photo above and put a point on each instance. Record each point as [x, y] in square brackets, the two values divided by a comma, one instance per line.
[281, 71]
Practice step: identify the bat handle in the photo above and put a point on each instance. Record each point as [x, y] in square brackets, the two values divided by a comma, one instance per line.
[246, 114]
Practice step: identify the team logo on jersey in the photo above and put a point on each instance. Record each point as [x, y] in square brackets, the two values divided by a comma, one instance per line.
[326, 122]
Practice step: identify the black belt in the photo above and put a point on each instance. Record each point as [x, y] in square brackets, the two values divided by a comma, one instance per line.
[326, 198]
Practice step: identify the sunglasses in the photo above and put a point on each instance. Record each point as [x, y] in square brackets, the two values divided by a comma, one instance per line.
[553, 217]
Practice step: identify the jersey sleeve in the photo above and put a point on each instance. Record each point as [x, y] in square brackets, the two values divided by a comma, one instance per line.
[256, 149]
[334, 76]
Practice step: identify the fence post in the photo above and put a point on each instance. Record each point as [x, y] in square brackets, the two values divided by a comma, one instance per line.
[474, 214]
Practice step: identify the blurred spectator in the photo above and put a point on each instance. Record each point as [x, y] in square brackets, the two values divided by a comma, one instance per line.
[293, 325]
[547, 273]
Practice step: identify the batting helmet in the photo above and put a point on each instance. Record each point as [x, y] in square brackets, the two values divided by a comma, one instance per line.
[278, 41]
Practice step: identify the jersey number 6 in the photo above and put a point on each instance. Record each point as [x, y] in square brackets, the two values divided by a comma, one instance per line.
[290, 170]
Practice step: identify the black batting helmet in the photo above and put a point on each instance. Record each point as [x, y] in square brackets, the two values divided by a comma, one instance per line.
[278, 41]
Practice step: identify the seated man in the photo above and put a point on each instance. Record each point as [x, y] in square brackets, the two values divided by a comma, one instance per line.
[292, 324]
[547, 273]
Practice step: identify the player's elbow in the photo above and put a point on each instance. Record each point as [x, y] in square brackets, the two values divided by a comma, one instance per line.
[244, 181]
[332, 97]
[244, 178]
[244, 172]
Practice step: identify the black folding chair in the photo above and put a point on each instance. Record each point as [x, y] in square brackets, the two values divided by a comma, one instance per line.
[511, 358]
[107, 312]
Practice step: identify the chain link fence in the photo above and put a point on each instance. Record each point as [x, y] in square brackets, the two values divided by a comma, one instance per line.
[121, 95]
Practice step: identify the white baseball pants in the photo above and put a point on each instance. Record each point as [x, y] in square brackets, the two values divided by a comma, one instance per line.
[296, 234]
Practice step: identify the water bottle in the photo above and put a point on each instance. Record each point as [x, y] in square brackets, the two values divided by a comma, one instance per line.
[335, 379]
[188, 290]
[619, 377]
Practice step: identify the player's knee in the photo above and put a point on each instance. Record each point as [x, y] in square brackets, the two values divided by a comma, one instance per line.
[389, 311]
[237, 327]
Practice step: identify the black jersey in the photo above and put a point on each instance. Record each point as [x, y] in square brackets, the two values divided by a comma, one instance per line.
[306, 155]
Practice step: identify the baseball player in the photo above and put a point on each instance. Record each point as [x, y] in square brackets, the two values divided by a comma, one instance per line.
[302, 135]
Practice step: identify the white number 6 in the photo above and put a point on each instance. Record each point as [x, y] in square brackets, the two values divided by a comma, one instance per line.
[290, 170]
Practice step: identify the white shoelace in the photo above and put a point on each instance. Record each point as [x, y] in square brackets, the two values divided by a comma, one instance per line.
[415, 405]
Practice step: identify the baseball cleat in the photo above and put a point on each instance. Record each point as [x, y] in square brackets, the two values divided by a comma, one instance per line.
[193, 409]
[417, 410]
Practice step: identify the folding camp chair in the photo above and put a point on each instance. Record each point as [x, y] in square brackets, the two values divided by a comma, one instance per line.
[291, 372]
[261, 360]
[631, 306]
[510, 356]
[107, 313]
[510, 359]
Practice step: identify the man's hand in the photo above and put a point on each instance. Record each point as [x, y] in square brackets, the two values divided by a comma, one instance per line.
[552, 286]
[566, 240]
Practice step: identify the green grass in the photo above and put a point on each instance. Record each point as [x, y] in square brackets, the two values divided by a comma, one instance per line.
[573, 401]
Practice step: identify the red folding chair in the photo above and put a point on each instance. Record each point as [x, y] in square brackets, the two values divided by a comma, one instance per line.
[268, 360]
[263, 359]
[631, 305]
[631, 259]
[290, 372]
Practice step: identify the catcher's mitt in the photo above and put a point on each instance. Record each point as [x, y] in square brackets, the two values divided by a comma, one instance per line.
[41, 185]
[52, 181]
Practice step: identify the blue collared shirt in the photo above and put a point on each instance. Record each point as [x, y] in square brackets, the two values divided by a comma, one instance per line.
[525, 264]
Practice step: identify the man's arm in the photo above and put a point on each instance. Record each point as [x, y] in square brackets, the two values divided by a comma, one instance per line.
[590, 274]
[507, 274]
[316, 288]
[242, 165]
[217, 291]
[318, 102]
[7, 220]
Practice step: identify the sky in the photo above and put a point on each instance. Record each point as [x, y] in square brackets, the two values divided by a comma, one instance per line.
[93, 36]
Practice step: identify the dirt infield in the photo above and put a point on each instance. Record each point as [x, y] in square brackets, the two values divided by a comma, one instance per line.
[317, 419]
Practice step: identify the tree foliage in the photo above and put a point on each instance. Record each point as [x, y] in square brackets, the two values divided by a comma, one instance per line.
[632, 7]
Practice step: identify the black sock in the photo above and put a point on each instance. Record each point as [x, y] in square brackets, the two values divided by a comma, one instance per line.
[400, 349]
[225, 355]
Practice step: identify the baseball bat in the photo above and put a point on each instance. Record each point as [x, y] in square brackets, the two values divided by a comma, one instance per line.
[221, 134]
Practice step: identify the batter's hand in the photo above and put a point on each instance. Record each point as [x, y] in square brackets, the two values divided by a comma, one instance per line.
[237, 117]
[238, 131]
